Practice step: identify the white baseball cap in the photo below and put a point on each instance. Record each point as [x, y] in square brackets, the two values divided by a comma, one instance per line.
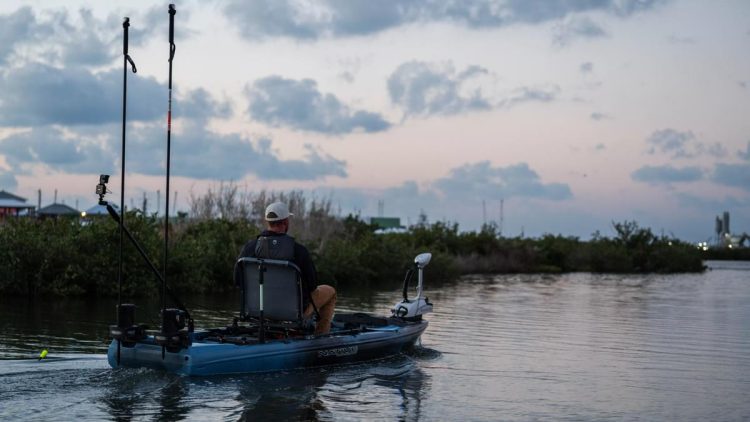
[277, 211]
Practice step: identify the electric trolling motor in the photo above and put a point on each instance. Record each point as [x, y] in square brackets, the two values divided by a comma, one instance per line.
[414, 308]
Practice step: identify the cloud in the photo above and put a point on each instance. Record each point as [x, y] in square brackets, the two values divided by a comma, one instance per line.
[38, 94]
[577, 28]
[425, 89]
[598, 116]
[669, 141]
[202, 154]
[196, 153]
[586, 67]
[481, 180]
[59, 150]
[522, 11]
[458, 197]
[257, 19]
[715, 150]
[79, 39]
[7, 180]
[667, 174]
[734, 175]
[366, 17]
[16, 28]
[304, 20]
[531, 94]
[682, 145]
[746, 154]
[299, 105]
[405, 199]
[316, 165]
[455, 196]
[84, 43]
[410, 196]
[199, 105]
[711, 205]
[149, 23]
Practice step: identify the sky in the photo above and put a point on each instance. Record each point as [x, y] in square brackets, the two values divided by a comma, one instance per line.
[557, 116]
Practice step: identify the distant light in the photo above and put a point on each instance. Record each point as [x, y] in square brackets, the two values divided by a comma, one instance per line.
[730, 246]
[705, 248]
[670, 243]
[83, 213]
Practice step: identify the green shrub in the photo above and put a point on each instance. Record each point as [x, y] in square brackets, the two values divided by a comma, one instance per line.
[67, 258]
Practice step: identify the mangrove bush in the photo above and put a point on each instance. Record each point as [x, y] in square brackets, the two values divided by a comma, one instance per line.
[72, 257]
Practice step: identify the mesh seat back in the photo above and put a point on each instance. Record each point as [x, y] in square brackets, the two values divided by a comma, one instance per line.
[282, 289]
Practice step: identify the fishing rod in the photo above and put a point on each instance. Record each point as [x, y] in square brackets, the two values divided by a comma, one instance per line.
[125, 60]
[173, 335]
[172, 48]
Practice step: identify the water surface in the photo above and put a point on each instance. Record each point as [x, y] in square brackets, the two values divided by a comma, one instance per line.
[508, 347]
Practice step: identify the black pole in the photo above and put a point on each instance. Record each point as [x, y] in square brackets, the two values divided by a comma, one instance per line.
[172, 12]
[125, 59]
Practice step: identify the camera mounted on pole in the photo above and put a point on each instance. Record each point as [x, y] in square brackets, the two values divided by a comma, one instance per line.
[101, 188]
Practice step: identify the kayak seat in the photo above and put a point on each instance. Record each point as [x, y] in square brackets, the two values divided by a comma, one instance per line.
[281, 294]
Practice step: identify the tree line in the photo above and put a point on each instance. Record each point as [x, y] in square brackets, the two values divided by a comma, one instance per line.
[74, 258]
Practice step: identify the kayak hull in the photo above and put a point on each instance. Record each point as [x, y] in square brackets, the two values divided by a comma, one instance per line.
[205, 357]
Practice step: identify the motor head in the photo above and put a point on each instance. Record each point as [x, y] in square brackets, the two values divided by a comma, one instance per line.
[422, 260]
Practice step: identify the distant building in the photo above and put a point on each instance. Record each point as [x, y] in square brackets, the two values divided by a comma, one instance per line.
[386, 222]
[387, 225]
[57, 211]
[13, 206]
[724, 236]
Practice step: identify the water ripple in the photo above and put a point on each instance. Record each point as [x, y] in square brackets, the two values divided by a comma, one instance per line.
[507, 347]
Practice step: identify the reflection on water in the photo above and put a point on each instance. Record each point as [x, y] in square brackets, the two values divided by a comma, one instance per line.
[83, 387]
[508, 347]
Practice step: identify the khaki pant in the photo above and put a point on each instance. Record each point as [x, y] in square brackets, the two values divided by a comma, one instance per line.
[324, 297]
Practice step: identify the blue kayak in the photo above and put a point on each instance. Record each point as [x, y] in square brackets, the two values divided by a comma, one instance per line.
[215, 352]
[271, 332]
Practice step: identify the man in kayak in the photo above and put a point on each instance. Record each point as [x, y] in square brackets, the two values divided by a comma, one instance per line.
[274, 243]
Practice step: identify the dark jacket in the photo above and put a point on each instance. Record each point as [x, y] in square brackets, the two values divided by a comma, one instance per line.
[301, 259]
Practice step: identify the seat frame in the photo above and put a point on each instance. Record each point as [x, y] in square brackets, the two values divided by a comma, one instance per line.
[264, 313]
